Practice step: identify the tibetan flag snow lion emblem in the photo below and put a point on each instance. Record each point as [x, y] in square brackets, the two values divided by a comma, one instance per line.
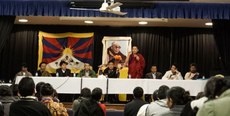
[73, 48]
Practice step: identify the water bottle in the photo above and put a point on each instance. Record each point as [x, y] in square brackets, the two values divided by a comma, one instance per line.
[57, 75]
[24, 74]
[74, 74]
[36, 74]
[129, 76]
[203, 77]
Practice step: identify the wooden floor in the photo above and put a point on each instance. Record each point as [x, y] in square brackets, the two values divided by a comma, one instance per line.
[108, 106]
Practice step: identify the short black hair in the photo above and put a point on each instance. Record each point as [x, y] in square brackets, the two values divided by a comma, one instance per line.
[5, 90]
[174, 64]
[14, 88]
[47, 90]
[24, 65]
[26, 87]
[178, 95]
[155, 95]
[38, 86]
[85, 92]
[63, 62]
[96, 94]
[162, 91]
[42, 63]
[111, 61]
[138, 92]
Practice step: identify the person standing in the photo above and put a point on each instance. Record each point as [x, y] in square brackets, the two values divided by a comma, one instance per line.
[136, 63]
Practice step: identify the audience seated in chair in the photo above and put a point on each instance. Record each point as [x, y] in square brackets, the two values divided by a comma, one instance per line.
[14, 89]
[132, 107]
[47, 93]
[92, 107]
[28, 104]
[177, 97]
[85, 95]
[38, 90]
[159, 105]
[6, 98]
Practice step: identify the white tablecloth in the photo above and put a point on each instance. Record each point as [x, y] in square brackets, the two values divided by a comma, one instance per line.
[70, 85]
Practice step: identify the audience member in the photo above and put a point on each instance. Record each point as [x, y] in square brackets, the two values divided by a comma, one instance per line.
[132, 107]
[28, 104]
[38, 90]
[176, 100]
[192, 74]
[153, 74]
[92, 107]
[47, 93]
[87, 72]
[85, 95]
[158, 106]
[220, 105]
[42, 71]
[1, 110]
[24, 71]
[63, 71]
[14, 89]
[173, 74]
[6, 98]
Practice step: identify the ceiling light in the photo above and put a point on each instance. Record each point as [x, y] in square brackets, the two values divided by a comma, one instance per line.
[142, 23]
[89, 22]
[23, 20]
[209, 24]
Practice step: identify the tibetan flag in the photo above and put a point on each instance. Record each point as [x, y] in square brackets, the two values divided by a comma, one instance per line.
[73, 48]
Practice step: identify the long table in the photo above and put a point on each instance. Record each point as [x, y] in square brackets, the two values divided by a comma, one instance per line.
[70, 85]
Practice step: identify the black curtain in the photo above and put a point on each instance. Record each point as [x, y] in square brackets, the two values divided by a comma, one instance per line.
[221, 30]
[160, 46]
[195, 46]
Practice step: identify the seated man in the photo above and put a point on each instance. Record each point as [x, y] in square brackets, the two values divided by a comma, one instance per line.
[172, 74]
[28, 104]
[133, 107]
[192, 74]
[87, 72]
[6, 98]
[111, 71]
[158, 106]
[85, 95]
[153, 74]
[42, 71]
[92, 107]
[24, 71]
[63, 71]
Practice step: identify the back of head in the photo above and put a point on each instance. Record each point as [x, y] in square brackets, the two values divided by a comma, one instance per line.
[5, 90]
[138, 92]
[155, 95]
[178, 96]
[85, 92]
[215, 87]
[47, 90]
[96, 94]
[14, 88]
[26, 87]
[38, 86]
[162, 91]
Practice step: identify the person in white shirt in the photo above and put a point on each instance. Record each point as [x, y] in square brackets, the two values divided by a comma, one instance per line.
[192, 74]
[172, 74]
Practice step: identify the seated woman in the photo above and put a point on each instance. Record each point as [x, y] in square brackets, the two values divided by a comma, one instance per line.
[87, 71]
[177, 97]
[192, 74]
[172, 74]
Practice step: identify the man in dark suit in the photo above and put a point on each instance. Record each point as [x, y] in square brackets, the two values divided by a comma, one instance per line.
[133, 107]
[154, 74]
[63, 71]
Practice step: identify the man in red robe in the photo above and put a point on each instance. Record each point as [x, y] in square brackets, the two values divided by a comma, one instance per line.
[136, 63]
